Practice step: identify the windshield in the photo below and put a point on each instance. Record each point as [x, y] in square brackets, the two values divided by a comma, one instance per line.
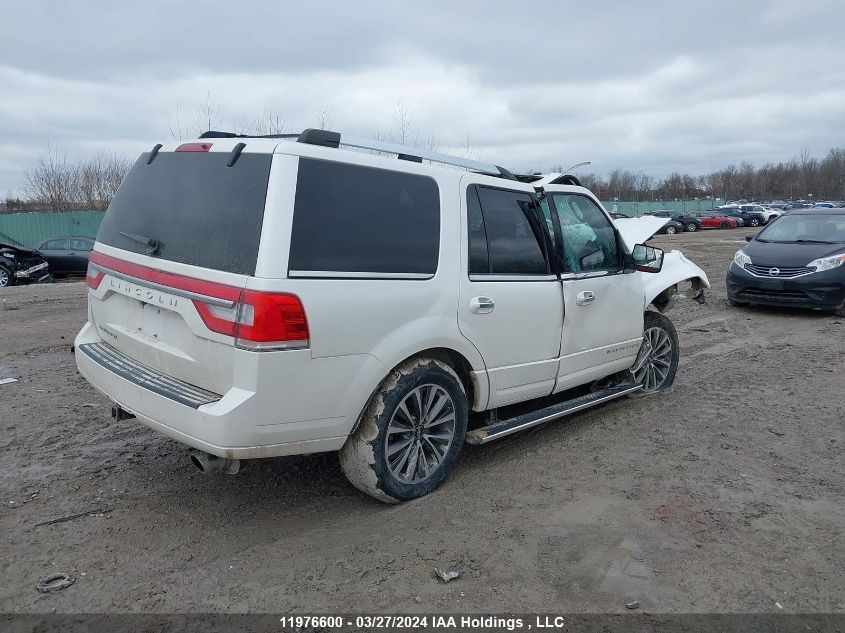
[826, 229]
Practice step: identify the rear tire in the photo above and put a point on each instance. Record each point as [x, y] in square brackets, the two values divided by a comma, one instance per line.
[671, 230]
[755, 222]
[6, 277]
[662, 352]
[840, 311]
[411, 434]
[737, 304]
[692, 227]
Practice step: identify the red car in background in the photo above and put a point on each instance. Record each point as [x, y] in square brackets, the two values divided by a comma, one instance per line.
[712, 220]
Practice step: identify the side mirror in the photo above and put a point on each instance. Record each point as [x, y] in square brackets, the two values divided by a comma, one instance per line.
[748, 238]
[647, 259]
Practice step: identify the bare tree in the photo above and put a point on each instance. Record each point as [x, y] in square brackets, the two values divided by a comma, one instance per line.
[269, 121]
[403, 122]
[208, 116]
[59, 185]
[403, 131]
[323, 113]
[49, 181]
[178, 130]
[468, 151]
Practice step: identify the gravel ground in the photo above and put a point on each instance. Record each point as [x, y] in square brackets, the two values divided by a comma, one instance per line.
[724, 494]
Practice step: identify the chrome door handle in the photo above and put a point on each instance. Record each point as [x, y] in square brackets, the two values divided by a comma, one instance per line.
[481, 305]
[585, 297]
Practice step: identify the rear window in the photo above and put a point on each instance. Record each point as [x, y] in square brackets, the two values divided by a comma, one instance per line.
[354, 221]
[198, 210]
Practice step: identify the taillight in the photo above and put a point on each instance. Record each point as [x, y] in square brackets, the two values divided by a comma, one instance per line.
[259, 321]
[93, 277]
[194, 147]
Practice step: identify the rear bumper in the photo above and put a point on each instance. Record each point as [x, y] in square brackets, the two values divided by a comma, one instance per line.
[819, 291]
[265, 421]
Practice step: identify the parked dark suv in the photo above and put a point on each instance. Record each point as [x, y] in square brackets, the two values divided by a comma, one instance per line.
[749, 218]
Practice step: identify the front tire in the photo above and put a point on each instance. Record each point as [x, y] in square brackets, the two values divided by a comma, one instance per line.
[755, 222]
[724, 225]
[6, 277]
[657, 361]
[692, 227]
[411, 434]
[671, 230]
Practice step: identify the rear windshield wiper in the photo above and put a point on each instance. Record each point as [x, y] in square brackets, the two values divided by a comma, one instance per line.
[151, 245]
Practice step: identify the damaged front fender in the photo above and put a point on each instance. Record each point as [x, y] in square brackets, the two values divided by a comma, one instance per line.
[678, 275]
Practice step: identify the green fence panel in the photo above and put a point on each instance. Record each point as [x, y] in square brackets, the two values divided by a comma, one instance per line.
[30, 229]
[639, 208]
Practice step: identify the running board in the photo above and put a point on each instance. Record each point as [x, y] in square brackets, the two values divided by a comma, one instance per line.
[503, 428]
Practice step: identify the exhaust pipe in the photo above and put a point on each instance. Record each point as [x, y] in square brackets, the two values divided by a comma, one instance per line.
[214, 465]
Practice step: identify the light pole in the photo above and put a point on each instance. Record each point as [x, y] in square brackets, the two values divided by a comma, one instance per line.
[576, 166]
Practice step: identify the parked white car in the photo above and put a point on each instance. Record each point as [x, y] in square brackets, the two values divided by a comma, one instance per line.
[256, 297]
[767, 212]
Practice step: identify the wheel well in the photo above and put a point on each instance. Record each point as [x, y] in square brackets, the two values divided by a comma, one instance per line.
[456, 361]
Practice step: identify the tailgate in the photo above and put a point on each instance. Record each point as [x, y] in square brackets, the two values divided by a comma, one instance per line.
[175, 248]
[156, 318]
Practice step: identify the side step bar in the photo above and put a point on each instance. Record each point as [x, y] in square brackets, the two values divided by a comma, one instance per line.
[503, 428]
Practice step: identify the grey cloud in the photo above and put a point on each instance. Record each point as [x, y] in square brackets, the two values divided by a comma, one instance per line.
[653, 86]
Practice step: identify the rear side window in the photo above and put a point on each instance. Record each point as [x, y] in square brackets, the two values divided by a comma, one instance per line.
[80, 245]
[355, 221]
[505, 234]
[198, 210]
[55, 245]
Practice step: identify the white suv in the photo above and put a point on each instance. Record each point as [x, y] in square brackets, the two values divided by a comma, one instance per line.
[255, 297]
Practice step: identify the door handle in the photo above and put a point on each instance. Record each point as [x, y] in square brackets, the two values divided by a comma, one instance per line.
[481, 305]
[585, 297]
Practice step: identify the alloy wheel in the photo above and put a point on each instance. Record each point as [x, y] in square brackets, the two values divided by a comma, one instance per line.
[654, 360]
[4, 278]
[420, 433]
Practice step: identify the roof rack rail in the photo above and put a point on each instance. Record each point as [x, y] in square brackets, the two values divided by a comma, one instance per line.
[218, 134]
[328, 138]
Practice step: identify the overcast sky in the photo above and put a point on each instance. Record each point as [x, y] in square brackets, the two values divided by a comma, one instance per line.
[652, 86]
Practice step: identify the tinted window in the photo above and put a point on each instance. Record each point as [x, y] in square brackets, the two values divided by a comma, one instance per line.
[478, 258]
[354, 219]
[80, 245]
[55, 245]
[513, 244]
[200, 211]
[589, 240]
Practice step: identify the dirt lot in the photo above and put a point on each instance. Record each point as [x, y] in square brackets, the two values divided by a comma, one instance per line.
[726, 494]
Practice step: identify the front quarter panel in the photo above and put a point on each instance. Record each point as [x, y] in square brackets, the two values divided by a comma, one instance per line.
[676, 269]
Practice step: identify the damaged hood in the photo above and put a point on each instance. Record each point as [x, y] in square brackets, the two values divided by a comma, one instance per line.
[638, 230]
[19, 250]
